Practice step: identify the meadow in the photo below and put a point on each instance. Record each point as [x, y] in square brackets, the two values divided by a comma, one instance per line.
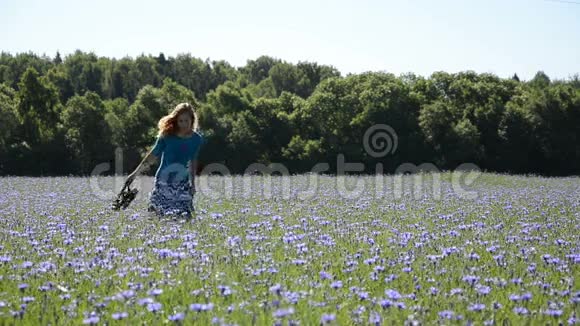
[507, 255]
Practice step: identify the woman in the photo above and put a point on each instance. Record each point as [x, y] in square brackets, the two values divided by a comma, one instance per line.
[177, 145]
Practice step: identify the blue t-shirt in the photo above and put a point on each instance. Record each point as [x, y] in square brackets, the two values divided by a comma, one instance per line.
[175, 154]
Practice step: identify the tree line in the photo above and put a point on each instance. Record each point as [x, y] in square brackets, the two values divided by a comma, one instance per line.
[61, 116]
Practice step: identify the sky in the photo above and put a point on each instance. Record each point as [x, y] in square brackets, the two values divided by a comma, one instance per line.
[502, 37]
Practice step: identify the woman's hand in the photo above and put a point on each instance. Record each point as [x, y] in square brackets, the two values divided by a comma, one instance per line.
[147, 161]
[132, 176]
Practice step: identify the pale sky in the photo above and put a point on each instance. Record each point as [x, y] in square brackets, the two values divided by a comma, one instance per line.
[398, 36]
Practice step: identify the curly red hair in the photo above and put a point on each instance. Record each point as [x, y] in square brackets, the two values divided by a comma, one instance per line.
[168, 124]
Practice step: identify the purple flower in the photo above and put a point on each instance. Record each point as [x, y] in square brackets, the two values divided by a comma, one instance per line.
[374, 318]
[292, 297]
[471, 279]
[281, 313]
[575, 297]
[515, 297]
[392, 294]
[517, 281]
[358, 311]
[521, 310]
[363, 295]
[449, 251]
[327, 318]
[276, 288]
[446, 314]
[27, 299]
[564, 293]
[154, 307]
[386, 303]
[197, 307]
[22, 286]
[119, 315]
[324, 275]
[473, 256]
[145, 301]
[177, 317]
[224, 290]
[91, 320]
[336, 284]
[526, 296]
[546, 286]
[5, 259]
[476, 307]
[155, 292]
[553, 312]
[492, 249]
[456, 291]
[390, 278]
[128, 294]
[484, 289]
[276, 218]
[43, 288]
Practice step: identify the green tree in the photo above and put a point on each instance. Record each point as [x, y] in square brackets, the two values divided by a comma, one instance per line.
[117, 112]
[87, 134]
[85, 72]
[455, 139]
[172, 93]
[287, 77]
[38, 107]
[540, 80]
[57, 75]
[8, 121]
[259, 69]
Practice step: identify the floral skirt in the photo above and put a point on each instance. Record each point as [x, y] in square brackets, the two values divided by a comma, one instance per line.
[171, 198]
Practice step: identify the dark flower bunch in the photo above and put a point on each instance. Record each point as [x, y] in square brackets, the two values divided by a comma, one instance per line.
[125, 197]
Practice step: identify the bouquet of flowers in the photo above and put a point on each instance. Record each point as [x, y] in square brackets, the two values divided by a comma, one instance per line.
[126, 196]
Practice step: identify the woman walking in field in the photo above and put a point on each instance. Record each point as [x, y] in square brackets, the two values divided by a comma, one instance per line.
[177, 145]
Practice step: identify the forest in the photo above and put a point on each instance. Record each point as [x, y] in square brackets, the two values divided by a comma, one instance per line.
[65, 115]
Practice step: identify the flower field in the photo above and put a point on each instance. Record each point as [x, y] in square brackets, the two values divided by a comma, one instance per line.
[509, 255]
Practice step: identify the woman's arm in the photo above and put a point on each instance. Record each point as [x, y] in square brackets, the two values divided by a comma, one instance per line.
[192, 171]
[149, 160]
